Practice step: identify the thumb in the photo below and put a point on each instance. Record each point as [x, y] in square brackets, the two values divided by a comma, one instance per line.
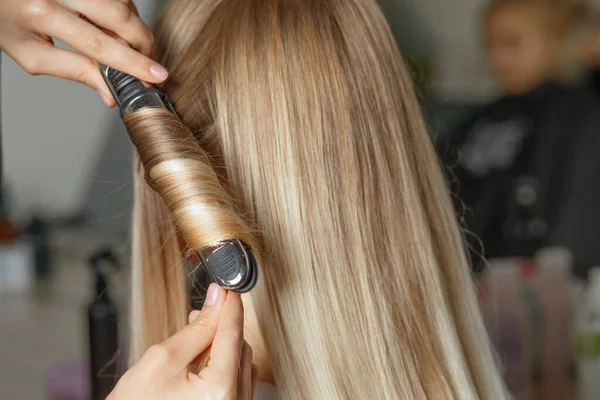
[193, 315]
[210, 300]
[186, 345]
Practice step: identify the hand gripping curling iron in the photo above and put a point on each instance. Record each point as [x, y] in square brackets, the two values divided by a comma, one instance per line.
[231, 263]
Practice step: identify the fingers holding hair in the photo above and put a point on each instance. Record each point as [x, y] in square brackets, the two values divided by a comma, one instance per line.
[96, 44]
[186, 345]
[118, 16]
[228, 364]
[101, 30]
[227, 347]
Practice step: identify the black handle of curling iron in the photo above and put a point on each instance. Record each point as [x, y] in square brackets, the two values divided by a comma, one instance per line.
[131, 94]
[231, 263]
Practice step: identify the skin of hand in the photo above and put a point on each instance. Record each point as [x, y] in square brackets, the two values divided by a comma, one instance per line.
[28, 29]
[164, 370]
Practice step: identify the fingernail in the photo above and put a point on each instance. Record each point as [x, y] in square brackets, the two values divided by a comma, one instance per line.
[104, 99]
[212, 295]
[159, 72]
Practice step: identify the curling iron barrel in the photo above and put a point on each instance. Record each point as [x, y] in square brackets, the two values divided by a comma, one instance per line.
[230, 263]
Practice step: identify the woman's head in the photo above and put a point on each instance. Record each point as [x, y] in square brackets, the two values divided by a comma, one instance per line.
[524, 39]
[309, 119]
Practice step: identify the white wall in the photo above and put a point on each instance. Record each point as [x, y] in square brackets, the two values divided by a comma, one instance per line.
[457, 29]
[52, 132]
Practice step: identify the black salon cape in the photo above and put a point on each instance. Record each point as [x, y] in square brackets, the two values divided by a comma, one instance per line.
[552, 134]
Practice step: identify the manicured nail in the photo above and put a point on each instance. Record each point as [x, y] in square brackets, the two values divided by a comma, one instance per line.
[104, 99]
[212, 295]
[159, 72]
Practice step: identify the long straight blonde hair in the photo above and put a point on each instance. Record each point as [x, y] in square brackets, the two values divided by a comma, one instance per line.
[308, 117]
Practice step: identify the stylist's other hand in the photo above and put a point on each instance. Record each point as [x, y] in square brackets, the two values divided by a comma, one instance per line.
[163, 373]
[28, 27]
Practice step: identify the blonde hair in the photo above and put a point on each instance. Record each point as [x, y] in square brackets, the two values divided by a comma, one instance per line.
[306, 113]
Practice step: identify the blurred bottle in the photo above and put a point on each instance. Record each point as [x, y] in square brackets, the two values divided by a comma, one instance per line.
[39, 232]
[8, 230]
[529, 274]
[103, 329]
[506, 316]
[553, 294]
[16, 252]
[588, 340]
[575, 286]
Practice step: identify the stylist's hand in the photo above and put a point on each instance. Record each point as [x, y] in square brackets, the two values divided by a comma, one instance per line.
[28, 27]
[162, 373]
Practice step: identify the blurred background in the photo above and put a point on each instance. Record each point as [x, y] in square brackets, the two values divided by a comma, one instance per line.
[509, 89]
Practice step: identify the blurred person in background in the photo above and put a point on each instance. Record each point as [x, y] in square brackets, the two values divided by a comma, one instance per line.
[524, 168]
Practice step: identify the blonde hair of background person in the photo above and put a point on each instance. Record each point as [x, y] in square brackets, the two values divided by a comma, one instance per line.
[308, 115]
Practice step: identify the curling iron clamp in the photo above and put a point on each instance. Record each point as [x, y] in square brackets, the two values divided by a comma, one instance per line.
[231, 263]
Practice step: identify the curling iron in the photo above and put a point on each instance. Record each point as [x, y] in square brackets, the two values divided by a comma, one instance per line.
[231, 263]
